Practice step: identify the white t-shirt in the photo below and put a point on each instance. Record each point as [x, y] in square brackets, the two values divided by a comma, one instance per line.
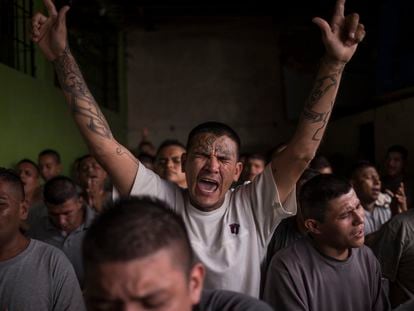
[230, 241]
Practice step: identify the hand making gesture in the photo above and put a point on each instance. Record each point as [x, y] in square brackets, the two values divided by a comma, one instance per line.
[50, 33]
[342, 35]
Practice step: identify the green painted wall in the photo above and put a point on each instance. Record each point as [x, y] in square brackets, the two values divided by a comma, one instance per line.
[34, 116]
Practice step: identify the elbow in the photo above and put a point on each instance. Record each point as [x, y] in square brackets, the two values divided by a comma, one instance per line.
[303, 156]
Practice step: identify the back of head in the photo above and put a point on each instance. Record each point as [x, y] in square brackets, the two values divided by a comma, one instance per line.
[133, 229]
[216, 128]
[52, 153]
[318, 191]
[60, 189]
[319, 162]
[12, 178]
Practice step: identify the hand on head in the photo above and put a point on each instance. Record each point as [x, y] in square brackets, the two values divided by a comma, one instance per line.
[50, 33]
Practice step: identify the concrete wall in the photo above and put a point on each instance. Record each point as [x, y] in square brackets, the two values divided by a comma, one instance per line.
[392, 125]
[191, 71]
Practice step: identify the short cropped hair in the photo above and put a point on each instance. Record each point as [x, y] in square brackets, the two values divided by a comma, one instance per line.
[12, 178]
[216, 128]
[400, 149]
[134, 228]
[51, 152]
[319, 162]
[168, 143]
[359, 166]
[318, 191]
[256, 156]
[60, 189]
[30, 162]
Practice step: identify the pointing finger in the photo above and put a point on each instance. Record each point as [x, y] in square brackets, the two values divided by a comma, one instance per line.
[339, 12]
[51, 9]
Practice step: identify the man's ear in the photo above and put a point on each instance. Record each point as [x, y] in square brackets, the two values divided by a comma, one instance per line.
[196, 282]
[313, 226]
[24, 210]
[183, 161]
[239, 169]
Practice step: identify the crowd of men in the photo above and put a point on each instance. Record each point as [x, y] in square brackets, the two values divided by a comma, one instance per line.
[198, 229]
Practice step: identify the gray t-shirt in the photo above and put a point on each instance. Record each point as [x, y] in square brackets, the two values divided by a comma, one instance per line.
[40, 278]
[223, 300]
[301, 278]
[393, 245]
[70, 244]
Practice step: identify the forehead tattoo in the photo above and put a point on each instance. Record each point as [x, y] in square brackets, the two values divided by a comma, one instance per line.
[209, 143]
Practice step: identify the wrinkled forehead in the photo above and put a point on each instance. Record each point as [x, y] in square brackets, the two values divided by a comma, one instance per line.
[209, 142]
[343, 202]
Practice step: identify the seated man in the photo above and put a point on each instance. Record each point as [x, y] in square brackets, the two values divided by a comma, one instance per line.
[67, 220]
[226, 227]
[95, 183]
[168, 162]
[255, 164]
[393, 245]
[138, 255]
[395, 172]
[30, 176]
[377, 205]
[331, 269]
[49, 164]
[33, 275]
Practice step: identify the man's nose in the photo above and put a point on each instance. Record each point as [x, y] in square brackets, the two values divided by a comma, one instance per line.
[359, 216]
[213, 164]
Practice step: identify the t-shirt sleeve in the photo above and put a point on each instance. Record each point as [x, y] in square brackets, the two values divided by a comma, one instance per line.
[67, 295]
[265, 204]
[387, 246]
[148, 183]
[282, 289]
[225, 300]
[380, 301]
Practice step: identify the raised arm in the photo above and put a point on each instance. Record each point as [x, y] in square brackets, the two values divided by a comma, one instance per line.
[50, 33]
[341, 38]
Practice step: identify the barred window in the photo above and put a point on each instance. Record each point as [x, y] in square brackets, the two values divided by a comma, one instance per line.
[97, 55]
[17, 49]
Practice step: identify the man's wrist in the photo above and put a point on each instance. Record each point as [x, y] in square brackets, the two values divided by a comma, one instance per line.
[337, 65]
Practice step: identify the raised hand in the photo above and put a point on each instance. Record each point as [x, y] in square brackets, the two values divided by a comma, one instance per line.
[399, 200]
[342, 35]
[50, 33]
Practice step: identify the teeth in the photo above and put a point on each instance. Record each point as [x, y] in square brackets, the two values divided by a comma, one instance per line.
[207, 185]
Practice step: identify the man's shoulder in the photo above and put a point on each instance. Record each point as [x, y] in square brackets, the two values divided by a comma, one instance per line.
[222, 300]
[45, 250]
[294, 254]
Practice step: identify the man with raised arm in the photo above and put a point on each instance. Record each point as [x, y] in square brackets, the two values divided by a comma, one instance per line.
[229, 230]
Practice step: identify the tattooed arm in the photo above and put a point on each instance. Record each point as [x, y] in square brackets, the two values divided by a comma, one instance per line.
[340, 38]
[51, 35]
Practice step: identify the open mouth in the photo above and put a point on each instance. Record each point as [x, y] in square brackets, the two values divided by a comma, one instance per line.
[207, 185]
[359, 234]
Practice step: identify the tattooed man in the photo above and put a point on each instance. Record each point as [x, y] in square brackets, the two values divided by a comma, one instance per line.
[229, 230]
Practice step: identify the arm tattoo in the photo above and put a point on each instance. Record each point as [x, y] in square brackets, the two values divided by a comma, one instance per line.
[120, 151]
[81, 100]
[321, 87]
